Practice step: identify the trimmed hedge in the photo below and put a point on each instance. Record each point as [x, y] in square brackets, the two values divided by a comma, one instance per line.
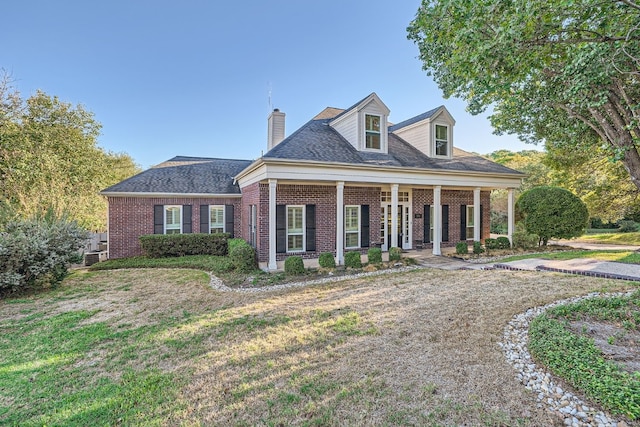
[374, 255]
[503, 242]
[243, 256]
[168, 245]
[352, 259]
[462, 248]
[477, 248]
[327, 260]
[294, 266]
[395, 254]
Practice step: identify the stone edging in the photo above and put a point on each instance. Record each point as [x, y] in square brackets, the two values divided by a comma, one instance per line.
[515, 346]
[219, 285]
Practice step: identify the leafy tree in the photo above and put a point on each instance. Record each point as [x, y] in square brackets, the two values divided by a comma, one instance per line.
[552, 212]
[49, 158]
[563, 72]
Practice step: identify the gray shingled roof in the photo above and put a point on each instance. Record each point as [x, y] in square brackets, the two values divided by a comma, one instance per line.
[185, 175]
[319, 142]
[415, 119]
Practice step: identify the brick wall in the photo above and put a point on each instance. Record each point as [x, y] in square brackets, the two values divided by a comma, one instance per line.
[132, 217]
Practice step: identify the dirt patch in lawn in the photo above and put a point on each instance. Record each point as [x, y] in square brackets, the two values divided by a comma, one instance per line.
[414, 348]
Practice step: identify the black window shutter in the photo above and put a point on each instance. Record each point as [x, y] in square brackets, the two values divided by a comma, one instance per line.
[481, 227]
[186, 218]
[310, 224]
[228, 220]
[445, 223]
[204, 218]
[463, 222]
[364, 226]
[281, 228]
[426, 216]
[158, 219]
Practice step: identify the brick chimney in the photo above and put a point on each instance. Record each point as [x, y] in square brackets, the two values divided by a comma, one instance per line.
[275, 132]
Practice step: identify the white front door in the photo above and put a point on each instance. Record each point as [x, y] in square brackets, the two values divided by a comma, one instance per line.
[404, 226]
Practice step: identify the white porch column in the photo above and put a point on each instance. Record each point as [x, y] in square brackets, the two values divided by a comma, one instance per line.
[510, 216]
[437, 220]
[340, 222]
[394, 215]
[476, 215]
[272, 224]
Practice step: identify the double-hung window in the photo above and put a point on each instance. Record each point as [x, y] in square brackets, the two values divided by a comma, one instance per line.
[372, 131]
[295, 229]
[352, 227]
[172, 219]
[442, 140]
[216, 219]
[470, 223]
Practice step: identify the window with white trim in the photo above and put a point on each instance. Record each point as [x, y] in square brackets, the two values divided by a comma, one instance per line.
[295, 228]
[442, 140]
[372, 131]
[470, 223]
[352, 227]
[172, 219]
[216, 219]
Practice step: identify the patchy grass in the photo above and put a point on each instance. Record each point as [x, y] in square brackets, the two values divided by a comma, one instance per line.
[577, 358]
[613, 238]
[629, 257]
[159, 347]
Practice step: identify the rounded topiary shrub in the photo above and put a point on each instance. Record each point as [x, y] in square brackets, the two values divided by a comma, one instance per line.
[294, 266]
[491, 243]
[477, 248]
[243, 258]
[395, 254]
[374, 255]
[327, 260]
[352, 259]
[502, 242]
[462, 248]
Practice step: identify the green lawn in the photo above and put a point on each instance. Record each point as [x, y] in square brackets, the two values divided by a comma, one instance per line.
[612, 238]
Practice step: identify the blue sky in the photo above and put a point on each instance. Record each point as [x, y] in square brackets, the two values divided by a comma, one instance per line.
[193, 77]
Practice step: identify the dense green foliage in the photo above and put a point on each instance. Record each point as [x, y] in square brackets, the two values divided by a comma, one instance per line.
[627, 226]
[395, 253]
[477, 248]
[374, 256]
[576, 357]
[327, 260]
[38, 251]
[462, 248]
[552, 212]
[294, 266]
[214, 264]
[352, 259]
[49, 158]
[243, 257]
[168, 245]
[561, 72]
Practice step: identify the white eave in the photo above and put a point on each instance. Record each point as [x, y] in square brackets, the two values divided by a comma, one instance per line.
[164, 195]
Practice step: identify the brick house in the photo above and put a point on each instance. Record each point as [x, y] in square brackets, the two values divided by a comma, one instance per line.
[346, 180]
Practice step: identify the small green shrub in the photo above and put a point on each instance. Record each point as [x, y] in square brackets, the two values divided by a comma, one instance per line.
[232, 243]
[327, 260]
[352, 259]
[395, 254]
[243, 257]
[374, 255]
[167, 245]
[294, 266]
[491, 243]
[477, 248]
[502, 242]
[462, 248]
[627, 226]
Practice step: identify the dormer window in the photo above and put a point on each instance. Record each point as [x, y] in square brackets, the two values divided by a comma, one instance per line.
[372, 131]
[442, 140]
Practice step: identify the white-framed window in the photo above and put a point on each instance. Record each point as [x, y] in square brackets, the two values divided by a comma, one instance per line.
[216, 219]
[385, 196]
[172, 219]
[372, 131]
[442, 140]
[295, 229]
[352, 227]
[470, 223]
